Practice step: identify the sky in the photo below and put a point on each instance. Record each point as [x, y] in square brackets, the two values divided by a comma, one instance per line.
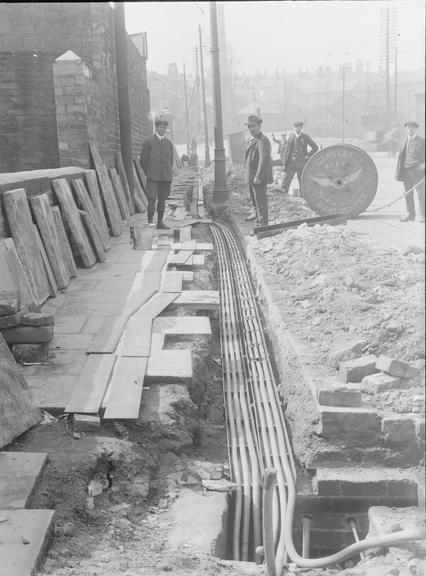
[280, 35]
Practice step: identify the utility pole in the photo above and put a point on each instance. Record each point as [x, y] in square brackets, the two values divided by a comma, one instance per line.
[197, 90]
[387, 68]
[186, 110]
[203, 90]
[220, 190]
[121, 50]
[395, 103]
[285, 103]
[343, 101]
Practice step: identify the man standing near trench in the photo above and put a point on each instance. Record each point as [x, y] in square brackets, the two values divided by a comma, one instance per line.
[257, 155]
[296, 156]
[157, 162]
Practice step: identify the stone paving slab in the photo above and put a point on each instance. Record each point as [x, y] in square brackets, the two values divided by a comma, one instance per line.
[69, 324]
[198, 300]
[19, 475]
[184, 325]
[24, 537]
[169, 365]
[52, 392]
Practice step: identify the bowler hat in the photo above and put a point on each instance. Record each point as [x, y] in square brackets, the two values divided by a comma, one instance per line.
[411, 123]
[253, 119]
[297, 123]
[161, 120]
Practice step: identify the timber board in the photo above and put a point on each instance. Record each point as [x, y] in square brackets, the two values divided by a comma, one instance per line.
[87, 205]
[95, 195]
[65, 247]
[119, 194]
[124, 393]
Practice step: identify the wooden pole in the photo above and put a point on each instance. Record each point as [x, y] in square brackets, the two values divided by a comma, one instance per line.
[203, 91]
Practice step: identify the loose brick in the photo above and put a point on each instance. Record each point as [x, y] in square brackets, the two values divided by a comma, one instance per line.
[38, 318]
[31, 352]
[355, 370]
[396, 367]
[28, 334]
[349, 423]
[339, 396]
[380, 382]
[349, 352]
[399, 429]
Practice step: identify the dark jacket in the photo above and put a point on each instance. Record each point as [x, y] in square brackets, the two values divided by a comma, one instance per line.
[419, 152]
[306, 141]
[157, 159]
[257, 155]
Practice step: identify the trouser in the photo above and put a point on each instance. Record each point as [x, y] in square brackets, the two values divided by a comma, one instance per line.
[157, 193]
[412, 177]
[291, 170]
[258, 198]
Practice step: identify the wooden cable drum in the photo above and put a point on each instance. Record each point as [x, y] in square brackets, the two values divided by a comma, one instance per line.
[339, 179]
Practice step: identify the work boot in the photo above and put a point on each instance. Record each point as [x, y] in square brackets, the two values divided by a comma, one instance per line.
[407, 219]
[251, 217]
[162, 226]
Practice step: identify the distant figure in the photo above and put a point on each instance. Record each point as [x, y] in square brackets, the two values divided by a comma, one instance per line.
[157, 159]
[411, 171]
[296, 155]
[193, 160]
[282, 146]
[185, 160]
[193, 146]
[257, 155]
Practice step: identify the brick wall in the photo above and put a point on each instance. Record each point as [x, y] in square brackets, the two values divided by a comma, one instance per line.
[139, 98]
[27, 112]
[50, 30]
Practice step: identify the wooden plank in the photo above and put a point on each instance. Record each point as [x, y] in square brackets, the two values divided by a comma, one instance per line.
[9, 261]
[124, 182]
[64, 243]
[90, 387]
[18, 412]
[181, 257]
[24, 536]
[85, 203]
[125, 389]
[157, 304]
[93, 234]
[95, 195]
[110, 202]
[105, 342]
[183, 325]
[157, 262]
[19, 475]
[21, 225]
[136, 338]
[119, 194]
[46, 226]
[198, 299]
[171, 281]
[69, 212]
[53, 287]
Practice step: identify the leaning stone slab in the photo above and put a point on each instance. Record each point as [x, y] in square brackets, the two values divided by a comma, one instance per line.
[396, 367]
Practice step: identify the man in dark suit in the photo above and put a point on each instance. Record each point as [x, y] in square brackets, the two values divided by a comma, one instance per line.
[296, 155]
[257, 155]
[157, 161]
[411, 171]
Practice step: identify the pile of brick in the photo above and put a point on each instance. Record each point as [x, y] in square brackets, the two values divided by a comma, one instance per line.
[28, 334]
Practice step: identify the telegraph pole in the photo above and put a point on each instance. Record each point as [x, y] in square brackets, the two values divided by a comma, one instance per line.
[343, 101]
[220, 190]
[203, 90]
[186, 110]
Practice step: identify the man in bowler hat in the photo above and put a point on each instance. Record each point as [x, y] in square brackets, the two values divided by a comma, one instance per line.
[257, 155]
[411, 171]
[157, 161]
[296, 155]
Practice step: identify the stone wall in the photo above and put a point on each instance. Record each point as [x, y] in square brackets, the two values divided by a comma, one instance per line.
[50, 30]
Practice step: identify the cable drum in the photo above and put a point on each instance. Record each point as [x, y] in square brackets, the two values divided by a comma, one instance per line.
[339, 179]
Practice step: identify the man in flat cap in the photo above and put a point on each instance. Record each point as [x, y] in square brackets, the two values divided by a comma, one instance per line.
[296, 155]
[411, 171]
[157, 161]
[257, 155]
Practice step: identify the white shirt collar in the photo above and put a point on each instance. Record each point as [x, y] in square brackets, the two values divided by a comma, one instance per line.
[159, 137]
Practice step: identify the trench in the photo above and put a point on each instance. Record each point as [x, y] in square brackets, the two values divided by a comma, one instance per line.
[308, 531]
